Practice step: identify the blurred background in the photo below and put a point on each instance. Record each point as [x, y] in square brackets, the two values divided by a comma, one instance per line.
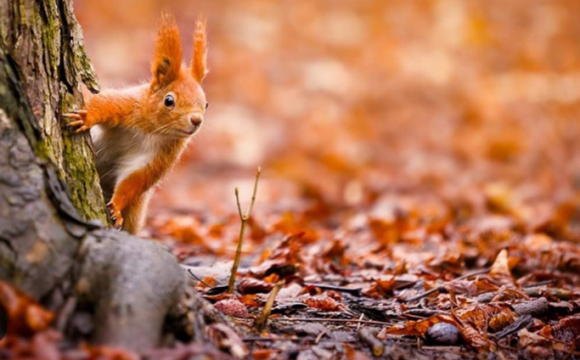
[342, 102]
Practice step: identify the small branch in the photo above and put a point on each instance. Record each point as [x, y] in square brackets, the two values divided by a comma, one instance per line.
[254, 193]
[238, 203]
[263, 318]
[244, 218]
[533, 307]
[520, 323]
[319, 337]
[239, 248]
[540, 283]
[538, 291]
[353, 291]
[198, 278]
[318, 319]
[368, 336]
[300, 339]
[442, 287]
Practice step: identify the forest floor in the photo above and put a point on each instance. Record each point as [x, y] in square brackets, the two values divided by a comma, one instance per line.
[420, 184]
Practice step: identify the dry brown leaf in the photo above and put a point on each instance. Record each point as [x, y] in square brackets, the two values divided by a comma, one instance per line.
[25, 315]
[226, 338]
[500, 269]
[416, 328]
[254, 286]
[324, 303]
[502, 320]
[381, 287]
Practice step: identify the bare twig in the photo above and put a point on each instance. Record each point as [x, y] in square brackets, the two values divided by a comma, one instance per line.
[362, 316]
[540, 283]
[198, 278]
[263, 318]
[354, 291]
[368, 336]
[520, 323]
[442, 287]
[238, 203]
[319, 319]
[300, 339]
[244, 218]
[533, 307]
[319, 337]
[538, 291]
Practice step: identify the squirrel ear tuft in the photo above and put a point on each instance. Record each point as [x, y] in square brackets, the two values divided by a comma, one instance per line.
[167, 62]
[199, 60]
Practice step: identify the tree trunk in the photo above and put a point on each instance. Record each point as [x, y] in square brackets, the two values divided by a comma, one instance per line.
[52, 241]
[46, 42]
[42, 63]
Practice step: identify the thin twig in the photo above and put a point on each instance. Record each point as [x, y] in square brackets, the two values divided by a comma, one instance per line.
[540, 283]
[238, 203]
[198, 278]
[319, 337]
[254, 193]
[244, 218]
[362, 316]
[369, 337]
[318, 319]
[300, 339]
[442, 287]
[263, 318]
[353, 291]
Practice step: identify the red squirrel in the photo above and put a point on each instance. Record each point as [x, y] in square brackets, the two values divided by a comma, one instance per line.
[140, 132]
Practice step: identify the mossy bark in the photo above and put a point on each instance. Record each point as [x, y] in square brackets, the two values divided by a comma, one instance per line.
[45, 40]
[50, 247]
[48, 181]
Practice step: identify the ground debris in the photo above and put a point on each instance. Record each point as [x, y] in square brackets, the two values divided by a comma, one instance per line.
[420, 172]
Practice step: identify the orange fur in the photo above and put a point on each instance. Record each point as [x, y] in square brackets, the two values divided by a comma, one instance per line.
[139, 136]
[167, 62]
[199, 60]
[110, 107]
[133, 189]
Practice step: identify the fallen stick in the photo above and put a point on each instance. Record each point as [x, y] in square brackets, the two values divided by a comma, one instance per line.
[353, 291]
[368, 336]
[442, 287]
[534, 307]
[369, 322]
[261, 321]
[538, 291]
[296, 339]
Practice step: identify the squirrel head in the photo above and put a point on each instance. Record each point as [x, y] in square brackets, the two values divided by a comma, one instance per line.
[175, 95]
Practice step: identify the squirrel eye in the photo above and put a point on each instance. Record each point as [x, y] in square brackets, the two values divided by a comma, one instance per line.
[169, 100]
[206, 105]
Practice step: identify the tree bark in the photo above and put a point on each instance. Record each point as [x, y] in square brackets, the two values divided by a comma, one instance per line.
[45, 41]
[53, 244]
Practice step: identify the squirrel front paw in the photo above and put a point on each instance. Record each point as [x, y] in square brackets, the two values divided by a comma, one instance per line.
[115, 215]
[78, 120]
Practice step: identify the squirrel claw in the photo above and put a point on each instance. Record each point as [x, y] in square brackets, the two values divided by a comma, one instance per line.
[78, 123]
[115, 215]
[81, 129]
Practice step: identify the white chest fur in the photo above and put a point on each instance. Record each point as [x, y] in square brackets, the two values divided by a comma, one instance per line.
[121, 153]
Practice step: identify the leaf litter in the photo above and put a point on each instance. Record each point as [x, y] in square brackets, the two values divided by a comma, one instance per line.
[420, 195]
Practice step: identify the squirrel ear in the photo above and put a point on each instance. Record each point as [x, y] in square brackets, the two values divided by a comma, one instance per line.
[167, 62]
[199, 60]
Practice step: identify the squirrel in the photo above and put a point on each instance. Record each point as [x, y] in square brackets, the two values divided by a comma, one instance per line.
[140, 132]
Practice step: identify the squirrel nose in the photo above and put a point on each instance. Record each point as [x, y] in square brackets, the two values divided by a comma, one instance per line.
[196, 119]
